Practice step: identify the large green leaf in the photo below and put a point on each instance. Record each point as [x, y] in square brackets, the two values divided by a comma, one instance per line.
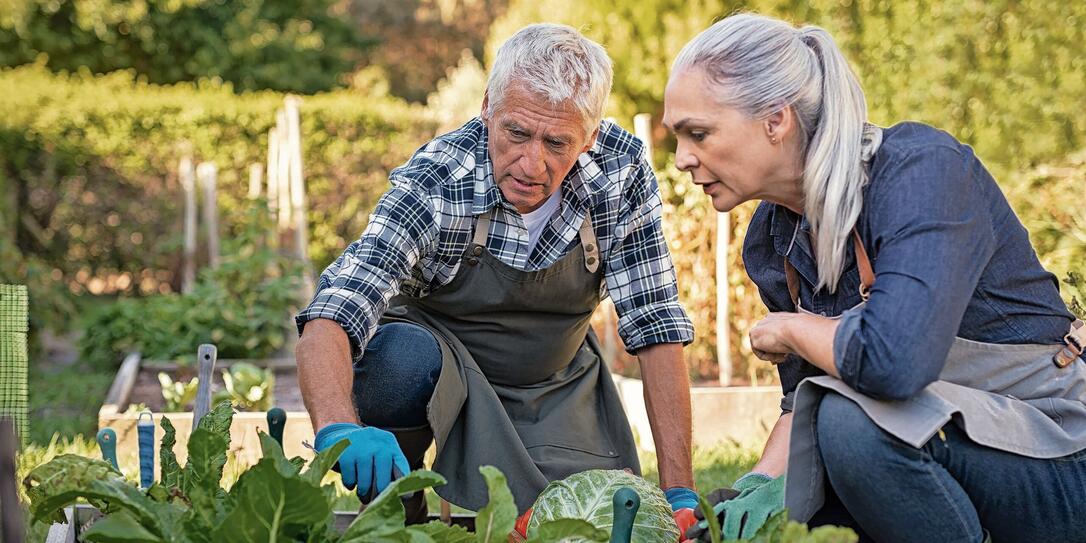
[323, 462]
[568, 529]
[119, 527]
[589, 495]
[496, 520]
[207, 458]
[384, 517]
[272, 506]
[218, 420]
[273, 451]
[169, 469]
[60, 482]
[443, 533]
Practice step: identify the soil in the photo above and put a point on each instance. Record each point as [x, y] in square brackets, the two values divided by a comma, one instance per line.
[148, 391]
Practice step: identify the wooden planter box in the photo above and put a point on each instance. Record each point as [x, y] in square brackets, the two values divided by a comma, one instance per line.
[137, 382]
[81, 517]
[742, 415]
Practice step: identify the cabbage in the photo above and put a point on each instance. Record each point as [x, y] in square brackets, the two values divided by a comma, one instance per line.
[587, 495]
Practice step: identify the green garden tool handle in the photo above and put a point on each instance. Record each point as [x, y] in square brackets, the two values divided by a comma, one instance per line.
[626, 502]
[107, 443]
[205, 359]
[277, 420]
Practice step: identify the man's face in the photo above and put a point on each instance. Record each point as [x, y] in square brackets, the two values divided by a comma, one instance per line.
[533, 145]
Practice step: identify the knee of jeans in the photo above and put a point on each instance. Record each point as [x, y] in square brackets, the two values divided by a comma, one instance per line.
[846, 435]
[396, 375]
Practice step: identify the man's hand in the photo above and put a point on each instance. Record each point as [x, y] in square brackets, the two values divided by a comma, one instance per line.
[371, 461]
[683, 503]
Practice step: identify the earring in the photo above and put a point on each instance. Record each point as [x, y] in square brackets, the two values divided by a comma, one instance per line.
[773, 140]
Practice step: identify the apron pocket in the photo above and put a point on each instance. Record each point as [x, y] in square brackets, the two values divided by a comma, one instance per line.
[561, 461]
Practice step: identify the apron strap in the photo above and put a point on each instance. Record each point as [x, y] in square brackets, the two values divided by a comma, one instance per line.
[588, 245]
[867, 273]
[478, 239]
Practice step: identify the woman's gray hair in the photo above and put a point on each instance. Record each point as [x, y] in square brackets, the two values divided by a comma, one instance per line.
[557, 63]
[761, 65]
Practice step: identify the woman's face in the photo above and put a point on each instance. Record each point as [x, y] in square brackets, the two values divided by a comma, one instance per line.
[728, 154]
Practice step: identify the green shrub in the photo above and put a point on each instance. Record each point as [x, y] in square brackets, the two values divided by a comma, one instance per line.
[243, 307]
[92, 202]
[295, 45]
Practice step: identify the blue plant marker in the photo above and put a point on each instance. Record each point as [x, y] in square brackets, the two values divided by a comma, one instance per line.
[107, 443]
[145, 430]
[626, 503]
[277, 420]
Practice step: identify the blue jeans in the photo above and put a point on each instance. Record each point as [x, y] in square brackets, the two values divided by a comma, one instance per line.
[395, 378]
[951, 489]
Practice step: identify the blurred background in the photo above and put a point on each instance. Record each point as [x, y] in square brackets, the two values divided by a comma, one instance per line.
[101, 100]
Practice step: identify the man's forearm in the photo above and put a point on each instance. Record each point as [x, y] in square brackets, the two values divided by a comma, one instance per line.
[774, 461]
[667, 400]
[325, 375]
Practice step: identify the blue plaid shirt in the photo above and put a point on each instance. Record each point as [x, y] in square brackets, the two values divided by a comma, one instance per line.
[421, 227]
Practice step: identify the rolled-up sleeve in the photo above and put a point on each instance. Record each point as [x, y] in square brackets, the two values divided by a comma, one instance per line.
[933, 237]
[355, 289]
[640, 274]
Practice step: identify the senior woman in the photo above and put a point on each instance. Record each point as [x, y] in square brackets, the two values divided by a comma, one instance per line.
[932, 390]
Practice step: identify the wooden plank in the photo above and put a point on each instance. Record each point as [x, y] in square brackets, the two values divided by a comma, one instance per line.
[117, 397]
[270, 363]
[723, 289]
[205, 357]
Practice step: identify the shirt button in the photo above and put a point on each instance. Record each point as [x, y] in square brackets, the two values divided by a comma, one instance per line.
[478, 250]
[823, 313]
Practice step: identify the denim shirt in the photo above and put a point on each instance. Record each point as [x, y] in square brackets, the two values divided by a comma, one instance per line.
[950, 259]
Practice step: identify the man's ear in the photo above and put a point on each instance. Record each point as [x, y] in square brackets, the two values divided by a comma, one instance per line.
[486, 104]
[591, 139]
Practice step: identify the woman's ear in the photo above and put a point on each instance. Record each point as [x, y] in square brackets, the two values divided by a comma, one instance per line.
[780, 124]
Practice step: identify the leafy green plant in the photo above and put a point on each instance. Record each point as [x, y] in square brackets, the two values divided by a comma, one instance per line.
[248, 387]
[177, 394]
[243, 307]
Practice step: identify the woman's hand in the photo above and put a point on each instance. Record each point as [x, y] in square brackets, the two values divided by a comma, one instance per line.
[770, 337]
[808, 336]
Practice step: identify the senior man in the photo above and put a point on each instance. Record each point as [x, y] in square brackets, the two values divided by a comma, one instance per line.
[461, 315]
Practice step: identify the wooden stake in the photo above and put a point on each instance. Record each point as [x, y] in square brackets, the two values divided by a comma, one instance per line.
[208, 173]
[188, 184]
[297, 192]
[283, 169]
[643, 130]
[723, 337]
[273, 172]
[256, 180]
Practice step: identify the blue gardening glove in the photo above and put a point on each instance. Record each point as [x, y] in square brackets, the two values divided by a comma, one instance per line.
[371, 461]
[681, 497]
[760, 497]
[683, 502]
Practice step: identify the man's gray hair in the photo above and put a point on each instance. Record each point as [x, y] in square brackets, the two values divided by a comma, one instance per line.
[760, 65]
[557, 63]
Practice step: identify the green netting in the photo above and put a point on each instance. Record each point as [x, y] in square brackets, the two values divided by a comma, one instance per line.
[13, 358]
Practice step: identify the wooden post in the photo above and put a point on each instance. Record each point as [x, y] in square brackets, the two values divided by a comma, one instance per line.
[188, 184]
[11, 514]
[643, 130]
[282, 174]
[273, 172]
[256, 180]
[207, 173]
[723, 335]
[297, 193]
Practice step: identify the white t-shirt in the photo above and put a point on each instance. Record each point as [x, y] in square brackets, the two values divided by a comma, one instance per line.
[537, 220]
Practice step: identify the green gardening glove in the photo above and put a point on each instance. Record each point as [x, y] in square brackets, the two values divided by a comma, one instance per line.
[760, 496]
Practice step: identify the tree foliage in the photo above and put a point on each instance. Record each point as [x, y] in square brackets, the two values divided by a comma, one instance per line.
[295, 45]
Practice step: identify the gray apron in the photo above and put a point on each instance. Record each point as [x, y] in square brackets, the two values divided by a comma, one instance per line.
[1011, 398]
[522, 384]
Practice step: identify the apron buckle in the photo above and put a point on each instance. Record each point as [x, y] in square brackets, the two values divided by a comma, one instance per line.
[865, 292]
[1074, 345]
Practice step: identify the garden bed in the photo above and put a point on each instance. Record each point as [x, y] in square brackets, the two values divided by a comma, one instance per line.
[137, 382]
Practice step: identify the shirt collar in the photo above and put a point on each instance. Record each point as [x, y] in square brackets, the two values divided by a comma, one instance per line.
[584, 183]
